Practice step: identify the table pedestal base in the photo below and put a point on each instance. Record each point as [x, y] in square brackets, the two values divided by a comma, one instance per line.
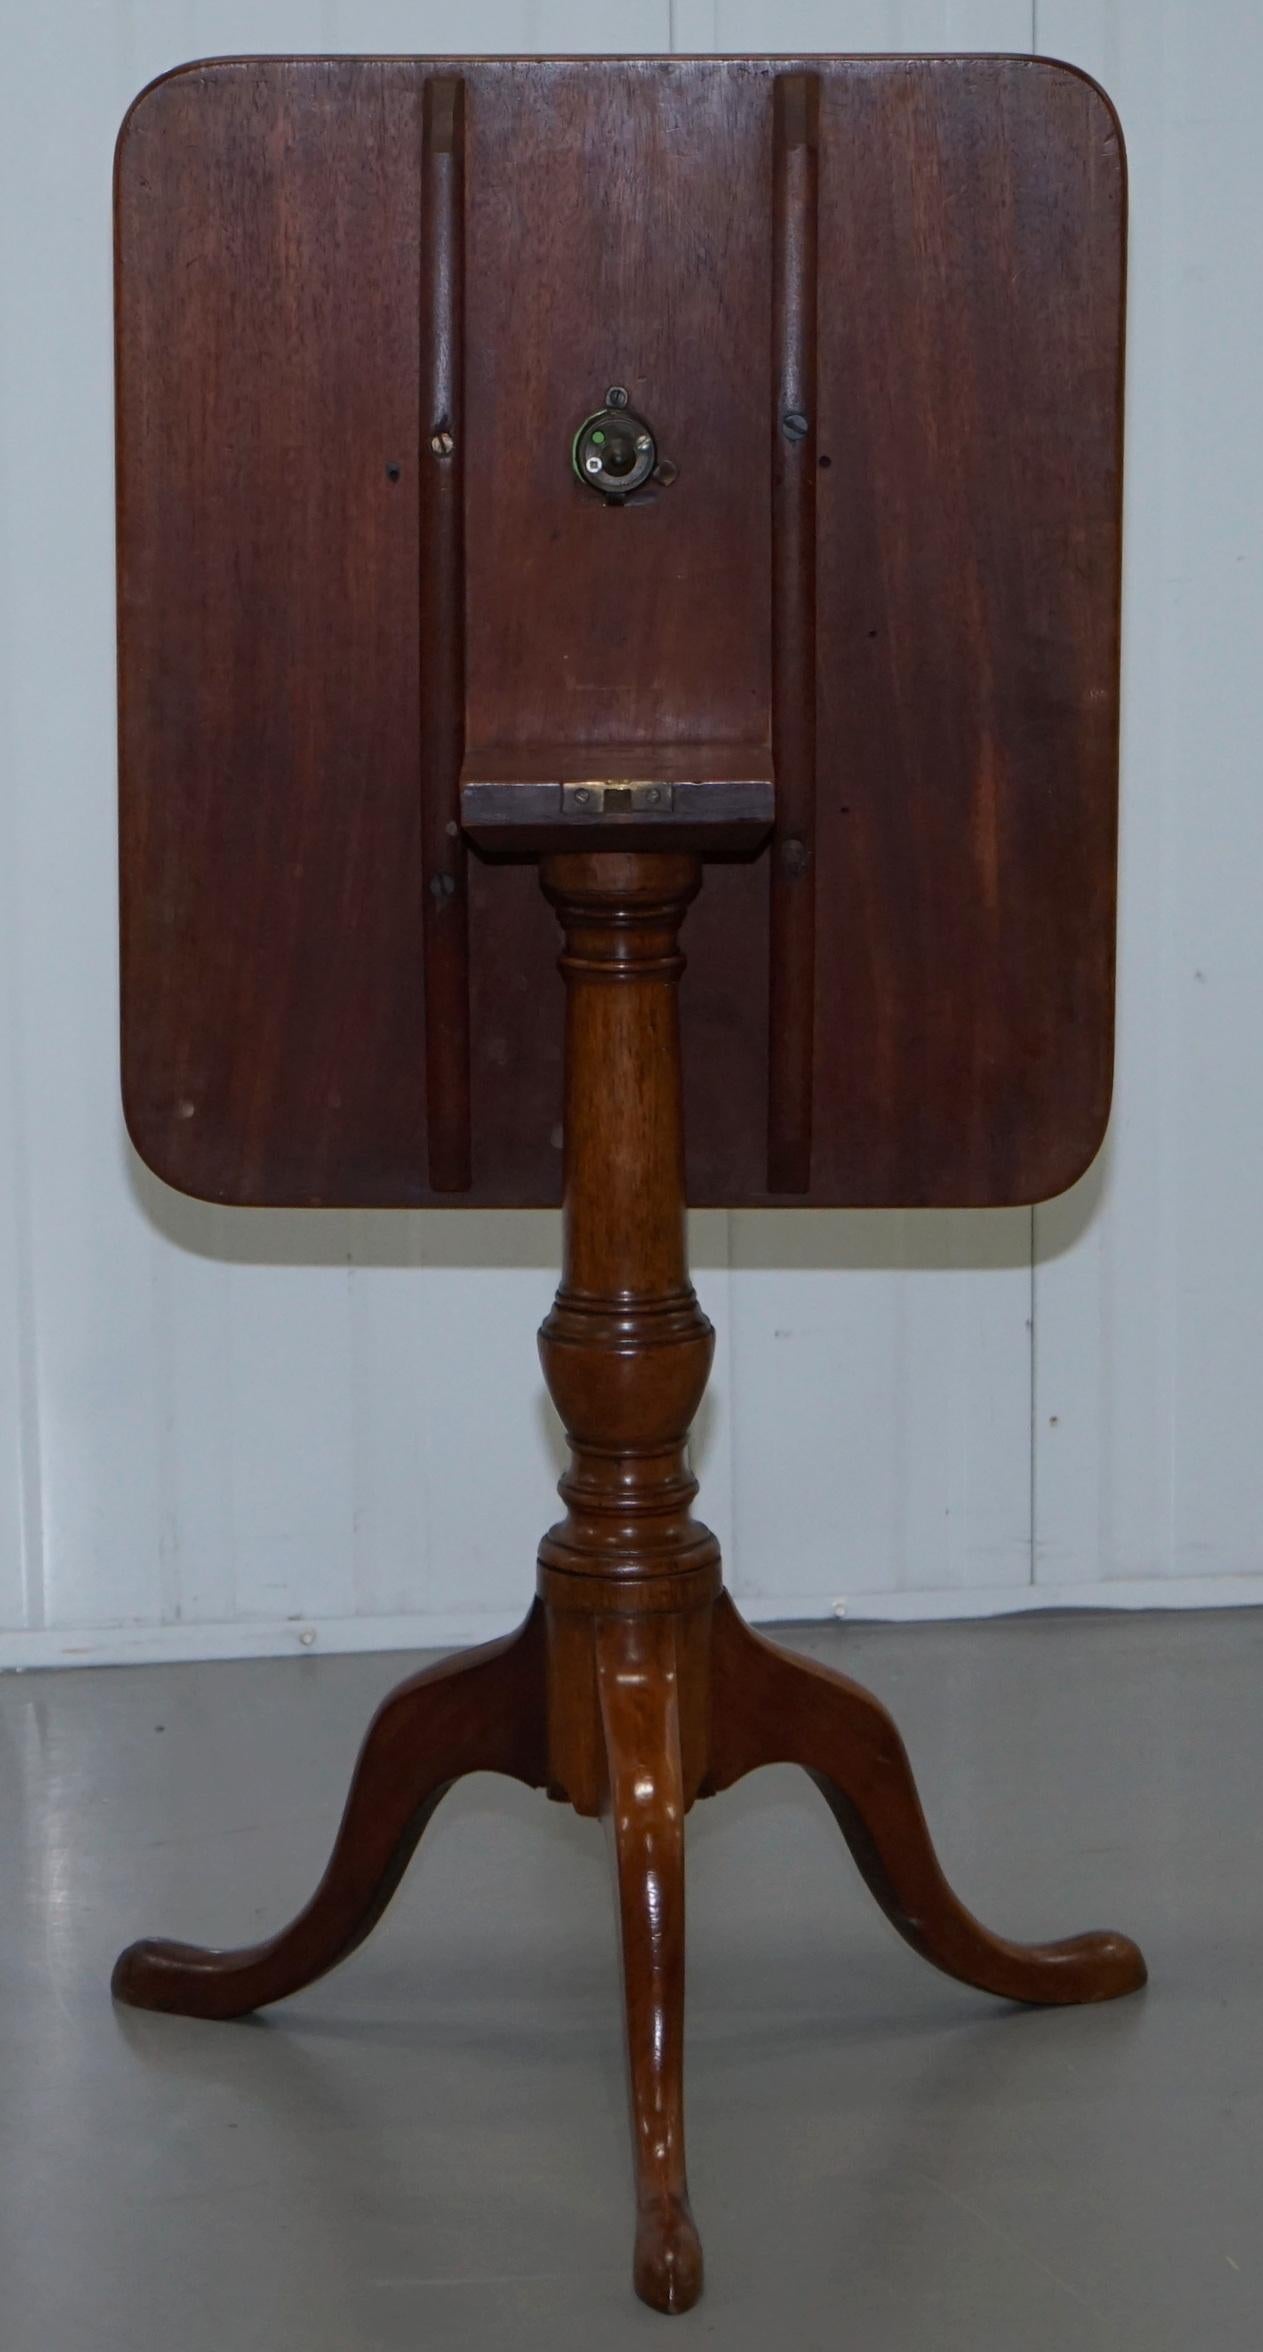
[633, 1687]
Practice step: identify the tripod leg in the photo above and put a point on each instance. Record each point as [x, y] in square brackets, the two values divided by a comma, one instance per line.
[637, 1686]
[771, 1707]
[479, 1712]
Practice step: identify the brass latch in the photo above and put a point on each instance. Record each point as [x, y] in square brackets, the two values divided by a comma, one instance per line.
[608, 800]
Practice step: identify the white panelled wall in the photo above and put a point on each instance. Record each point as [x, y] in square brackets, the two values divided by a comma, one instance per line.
[228, 1431]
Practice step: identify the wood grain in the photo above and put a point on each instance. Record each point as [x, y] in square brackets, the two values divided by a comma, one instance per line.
[637, 1672]
[273, 541]
[268, 276]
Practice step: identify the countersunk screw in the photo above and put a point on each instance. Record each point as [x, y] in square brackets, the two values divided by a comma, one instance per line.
[795, 424]
[643, 441]
[592, 465]
[442, 443]
[616, 397]
[583, 797]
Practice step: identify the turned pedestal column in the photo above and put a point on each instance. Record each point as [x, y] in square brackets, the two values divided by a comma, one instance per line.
[633, 1687]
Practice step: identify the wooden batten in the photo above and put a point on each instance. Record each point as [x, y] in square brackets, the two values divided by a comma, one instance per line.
[441, 470]
[792, 938]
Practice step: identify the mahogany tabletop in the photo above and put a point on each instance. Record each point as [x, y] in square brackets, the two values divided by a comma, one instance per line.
[872, 310]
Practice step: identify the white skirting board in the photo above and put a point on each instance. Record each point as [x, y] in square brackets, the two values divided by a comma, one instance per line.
[140, 1645]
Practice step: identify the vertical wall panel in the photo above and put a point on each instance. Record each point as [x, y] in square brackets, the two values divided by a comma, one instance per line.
[881, 1408]
[881, 1368]
[21, 1593]
[190, 1338]
[88, 1255]
[456, 1449]
[19, 1426]
[1149, 1284]
[486, 28]
[845, 25]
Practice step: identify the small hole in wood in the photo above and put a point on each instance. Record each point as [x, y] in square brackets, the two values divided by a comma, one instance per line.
[393, 473]
[825, 462]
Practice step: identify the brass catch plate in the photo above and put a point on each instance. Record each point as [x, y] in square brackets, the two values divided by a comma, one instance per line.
[622, 798]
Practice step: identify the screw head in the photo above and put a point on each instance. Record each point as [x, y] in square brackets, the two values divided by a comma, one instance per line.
[614, 450]
[442, 443]
[795, 424]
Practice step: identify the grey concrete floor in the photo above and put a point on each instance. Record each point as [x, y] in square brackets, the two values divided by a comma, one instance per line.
[429, 2147]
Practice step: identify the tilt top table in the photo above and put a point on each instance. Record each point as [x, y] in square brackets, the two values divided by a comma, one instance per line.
[601, 474]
